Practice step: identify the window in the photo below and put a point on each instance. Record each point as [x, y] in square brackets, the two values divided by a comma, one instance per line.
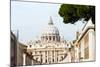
[36, 59]
[30, 45]
[67, 44]
[39, 51]
[41, 58]
[46, 38]
[50, 38]
[57, 59]
[53, 38]
[53, 60]
[46, 60]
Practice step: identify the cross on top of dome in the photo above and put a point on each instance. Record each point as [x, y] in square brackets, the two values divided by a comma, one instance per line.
[50, 21]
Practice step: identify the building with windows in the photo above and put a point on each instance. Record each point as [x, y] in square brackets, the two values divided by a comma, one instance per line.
[85, 43]
[50, 47]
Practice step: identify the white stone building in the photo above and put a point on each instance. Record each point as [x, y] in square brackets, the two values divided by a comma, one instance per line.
[50, 48]
[85, 43]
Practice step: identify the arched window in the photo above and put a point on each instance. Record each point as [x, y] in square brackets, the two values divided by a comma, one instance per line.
[46, 38]
[50, 38]
[30, 45]
[46, 60]
[52, 60]
[36, 59]
[53, 38]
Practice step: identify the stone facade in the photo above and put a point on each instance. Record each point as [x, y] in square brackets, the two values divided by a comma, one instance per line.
[23, 57]
[13, 50]
[17, 52]
[50, 47]
[85, 43]
[20, 51]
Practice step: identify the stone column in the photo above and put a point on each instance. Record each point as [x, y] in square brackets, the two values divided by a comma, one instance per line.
[52, 38]
[24, 59]
[69, 57]
[48, 38]
[92, 45]
[77, 54]
[31, 61]
[55, 56]
[55, 38]
[52, 56]
[82, 50]
[44, 56]
[47, 57]
[45, 38]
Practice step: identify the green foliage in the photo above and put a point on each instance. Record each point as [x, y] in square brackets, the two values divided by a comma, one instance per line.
[72, 13]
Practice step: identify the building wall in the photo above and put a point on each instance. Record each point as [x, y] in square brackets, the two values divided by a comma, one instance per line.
[23, 58]
[85, 44]
[50, 47]
[29, 59]
[20, 51]
[13, 50]
[50, 55]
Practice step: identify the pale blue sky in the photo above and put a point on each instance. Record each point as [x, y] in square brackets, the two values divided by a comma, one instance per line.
[30, 18]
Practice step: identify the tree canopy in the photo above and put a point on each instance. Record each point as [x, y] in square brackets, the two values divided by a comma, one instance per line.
[72, 13]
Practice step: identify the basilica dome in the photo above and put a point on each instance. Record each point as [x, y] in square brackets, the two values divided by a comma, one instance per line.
[50, 29]
[50, 32]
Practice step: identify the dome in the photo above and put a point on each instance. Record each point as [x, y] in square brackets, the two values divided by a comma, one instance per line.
[50, 29]
[50, 33]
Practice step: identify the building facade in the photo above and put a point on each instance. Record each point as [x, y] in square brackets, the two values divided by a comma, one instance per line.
[50, 47]
[18, 53]
[85, 43]
[13, 50]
